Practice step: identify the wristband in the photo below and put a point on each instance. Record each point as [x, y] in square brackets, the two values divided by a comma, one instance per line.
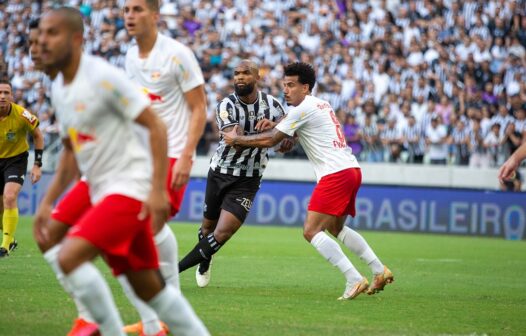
[38, 157]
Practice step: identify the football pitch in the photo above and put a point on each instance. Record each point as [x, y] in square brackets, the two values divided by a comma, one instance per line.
[269, 281]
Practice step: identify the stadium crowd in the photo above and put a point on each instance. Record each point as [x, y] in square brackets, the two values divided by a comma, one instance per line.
[415, 81]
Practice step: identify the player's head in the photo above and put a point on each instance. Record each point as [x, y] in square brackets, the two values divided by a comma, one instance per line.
[298, 82]
[141, 16]
[6, 94]
[34, 48]
[61, 36]
[246, 75]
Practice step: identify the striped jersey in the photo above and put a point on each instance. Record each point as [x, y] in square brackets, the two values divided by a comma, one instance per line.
[232, 111]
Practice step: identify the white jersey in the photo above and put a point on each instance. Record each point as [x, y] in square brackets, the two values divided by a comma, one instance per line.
[321, 136]
[169, 71]
[96, 112]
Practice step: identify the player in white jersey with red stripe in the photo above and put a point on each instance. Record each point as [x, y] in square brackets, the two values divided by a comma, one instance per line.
[170, 76]
[338, 174]
[97, 107]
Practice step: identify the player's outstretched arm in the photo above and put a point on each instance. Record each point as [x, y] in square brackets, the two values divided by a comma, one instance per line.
[157, 204]
[38, 140]
[262, 140]
[507, 170]
[196, 100]
[67, 171]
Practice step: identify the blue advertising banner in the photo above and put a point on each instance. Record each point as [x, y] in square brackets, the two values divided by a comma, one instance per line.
[383, 208]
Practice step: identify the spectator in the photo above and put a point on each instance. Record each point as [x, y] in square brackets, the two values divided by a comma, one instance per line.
[436, 140]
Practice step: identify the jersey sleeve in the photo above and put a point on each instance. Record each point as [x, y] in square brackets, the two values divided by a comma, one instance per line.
[30, 120]
[186, 68]
[225, 114]
[123, 95]
[292, 121]
[276, 110]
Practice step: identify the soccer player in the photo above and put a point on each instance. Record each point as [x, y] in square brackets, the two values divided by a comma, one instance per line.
[169, 74]
[235, 173]
[15, 124]
[97, 107]
[338, 174]
[56, 230]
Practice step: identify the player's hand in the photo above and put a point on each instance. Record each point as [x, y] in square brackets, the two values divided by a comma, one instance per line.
[40, 222]
[286, 145]
[230, 136]
[264, 125]
[158, 207]
[36, 174]
[181, 172]
[507, 170]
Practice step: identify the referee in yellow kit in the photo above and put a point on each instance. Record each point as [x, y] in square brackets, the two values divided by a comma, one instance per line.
[15, 123]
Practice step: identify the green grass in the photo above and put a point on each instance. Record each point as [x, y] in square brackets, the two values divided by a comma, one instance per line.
[269, 281]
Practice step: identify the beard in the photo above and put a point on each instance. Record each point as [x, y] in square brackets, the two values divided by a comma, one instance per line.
[244, 91]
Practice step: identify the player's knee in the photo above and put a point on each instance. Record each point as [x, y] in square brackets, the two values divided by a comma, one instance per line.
[222, 236]
[10, 198]
[67, 261]
[308, 234]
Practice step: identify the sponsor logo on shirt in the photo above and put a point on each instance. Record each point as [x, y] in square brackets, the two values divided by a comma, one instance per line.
[29, 117]
[154, 98]
[79, 139]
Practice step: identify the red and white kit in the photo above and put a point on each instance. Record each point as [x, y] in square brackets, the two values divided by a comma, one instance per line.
[337, 170]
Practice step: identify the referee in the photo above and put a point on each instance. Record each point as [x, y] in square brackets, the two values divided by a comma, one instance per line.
[235, 173]
[15, 123]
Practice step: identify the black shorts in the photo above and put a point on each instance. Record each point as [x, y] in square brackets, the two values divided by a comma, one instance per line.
[13, 169]
[230, 193]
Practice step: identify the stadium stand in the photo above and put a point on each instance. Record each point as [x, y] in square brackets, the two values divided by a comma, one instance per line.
[455, 68]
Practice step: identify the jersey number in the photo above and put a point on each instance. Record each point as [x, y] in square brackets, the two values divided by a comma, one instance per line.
[339, 131]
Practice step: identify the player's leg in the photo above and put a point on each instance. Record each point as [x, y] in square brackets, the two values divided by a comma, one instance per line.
[87, 284]
[65, 214]
[235, 199]
[135, 255]
[226, 226]
[10, 217]
[13, 175]
[359, 246]
[167, 250]
[314, 232]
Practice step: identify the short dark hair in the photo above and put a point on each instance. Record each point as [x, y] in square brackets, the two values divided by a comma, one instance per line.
[5, 80]
[304, 71]
[153, 5]
[73, 18]
[33, 24]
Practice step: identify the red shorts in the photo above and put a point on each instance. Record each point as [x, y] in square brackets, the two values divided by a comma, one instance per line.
[335, 194]
[112, 226]
[176, 196]
[73, 205]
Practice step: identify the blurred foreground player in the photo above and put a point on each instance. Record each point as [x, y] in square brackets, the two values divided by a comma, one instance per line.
[97, 106]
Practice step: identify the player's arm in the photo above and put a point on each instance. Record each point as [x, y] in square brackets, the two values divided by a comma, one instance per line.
[507, 170]
[38, 140]
[196, 100]
[66, 172]
[266, 139]
[157, 204]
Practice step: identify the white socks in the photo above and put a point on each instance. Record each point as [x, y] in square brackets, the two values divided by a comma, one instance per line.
[51, 256]
[168, 265]
[357, 244]
[168, 257]
[331, 251]
[149, 319]
[88, 285]
[173, 309]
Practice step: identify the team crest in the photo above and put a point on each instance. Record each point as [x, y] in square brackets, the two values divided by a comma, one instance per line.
[80, 107]
[223, 115]
[263, 104]
[155, 75]
[11, 136]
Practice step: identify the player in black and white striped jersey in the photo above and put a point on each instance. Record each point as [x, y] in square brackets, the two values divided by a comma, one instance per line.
[235, 173]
